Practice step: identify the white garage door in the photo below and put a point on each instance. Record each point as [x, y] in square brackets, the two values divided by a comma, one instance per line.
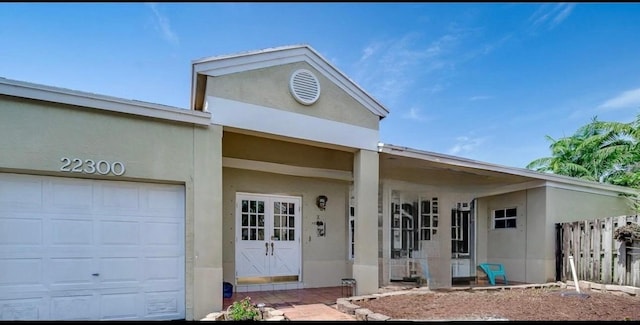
[90, 249]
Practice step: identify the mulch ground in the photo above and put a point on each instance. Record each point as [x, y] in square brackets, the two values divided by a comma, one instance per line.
[517, 304]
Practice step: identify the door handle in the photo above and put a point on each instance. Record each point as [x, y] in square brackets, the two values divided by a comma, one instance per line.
[95, 274]
[266, 245]
[271, 248]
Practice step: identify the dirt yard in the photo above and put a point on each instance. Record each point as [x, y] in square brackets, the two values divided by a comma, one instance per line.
[516, 304]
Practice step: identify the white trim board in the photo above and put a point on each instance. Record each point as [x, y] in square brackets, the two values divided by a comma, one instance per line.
[227, 64]
[241, 115]
[71, 97]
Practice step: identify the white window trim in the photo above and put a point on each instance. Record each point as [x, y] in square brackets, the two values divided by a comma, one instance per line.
[493, 218]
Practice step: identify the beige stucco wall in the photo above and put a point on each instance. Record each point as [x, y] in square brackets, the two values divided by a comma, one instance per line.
[254, 148]
[572, 205]
[506, 246]
[270, 87]
[35, 135]
[528, 252]
[324, 259]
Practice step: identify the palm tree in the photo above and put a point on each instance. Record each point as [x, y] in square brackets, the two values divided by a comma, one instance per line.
[607, 152]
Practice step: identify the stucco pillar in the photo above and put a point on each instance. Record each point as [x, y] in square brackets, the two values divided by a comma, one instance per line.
[365, 266]
[207, 227]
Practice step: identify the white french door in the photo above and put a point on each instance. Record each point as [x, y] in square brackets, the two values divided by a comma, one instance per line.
[267, 238]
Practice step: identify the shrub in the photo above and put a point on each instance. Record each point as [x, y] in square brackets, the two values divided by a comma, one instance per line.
[243, 310]
[627, 233]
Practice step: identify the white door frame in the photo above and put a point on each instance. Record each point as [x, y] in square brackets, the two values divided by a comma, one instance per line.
[265, 252]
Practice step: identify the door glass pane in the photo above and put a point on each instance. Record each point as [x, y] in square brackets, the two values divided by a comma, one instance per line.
[291, 209]
[276, 222]
[276, 234]
[292, 234]
[261, 221]
[245, 234]
[253, 234]
[252, 207]
[245, 206]
[253, 221]
[260, 206]
[284, 235]
[284, 221]
[245, 220]
[292, 222]
[276, 207]
[260, 234]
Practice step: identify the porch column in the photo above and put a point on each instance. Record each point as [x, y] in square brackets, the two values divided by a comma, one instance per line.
[365, 179]
[206, 286]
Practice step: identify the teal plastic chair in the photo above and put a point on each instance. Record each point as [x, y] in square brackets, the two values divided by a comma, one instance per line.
[494, 270]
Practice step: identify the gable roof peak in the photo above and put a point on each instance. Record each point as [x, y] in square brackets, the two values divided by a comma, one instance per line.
[257, 59]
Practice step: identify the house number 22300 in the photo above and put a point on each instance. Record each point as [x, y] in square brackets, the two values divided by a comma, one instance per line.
[89, 166]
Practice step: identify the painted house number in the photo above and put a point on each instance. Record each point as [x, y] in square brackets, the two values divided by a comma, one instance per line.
[88, 166]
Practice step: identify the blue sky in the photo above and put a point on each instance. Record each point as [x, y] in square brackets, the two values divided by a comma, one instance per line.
[484, 81]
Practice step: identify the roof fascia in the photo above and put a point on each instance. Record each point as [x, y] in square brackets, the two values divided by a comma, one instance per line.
[457, 161]
[71, 97]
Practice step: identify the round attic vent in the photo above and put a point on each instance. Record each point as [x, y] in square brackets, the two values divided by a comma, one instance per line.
[304, 87]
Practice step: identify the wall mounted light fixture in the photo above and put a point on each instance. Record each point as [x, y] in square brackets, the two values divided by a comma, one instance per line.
[321, 202]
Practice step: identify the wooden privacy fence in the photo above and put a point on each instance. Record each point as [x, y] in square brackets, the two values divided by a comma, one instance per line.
[597, 255]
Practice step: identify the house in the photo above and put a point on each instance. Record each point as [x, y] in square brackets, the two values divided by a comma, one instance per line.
[273, 179]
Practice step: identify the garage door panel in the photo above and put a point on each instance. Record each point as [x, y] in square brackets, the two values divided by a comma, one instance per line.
[119, 271]
[71, 232]
[19, 191]
[120, 198]
[76, 307]
[162, 233]
[119, 233]
[70, 194]
[20, 231]
[20, 271]
[163, 202]
[23, 309]
[162, 268]
[125, 305]
[158, 304]
[71, 273]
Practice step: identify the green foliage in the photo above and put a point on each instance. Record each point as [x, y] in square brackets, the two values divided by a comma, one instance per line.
[243, 310]
[605, 152]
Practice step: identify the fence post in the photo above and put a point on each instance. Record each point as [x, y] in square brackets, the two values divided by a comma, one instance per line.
[567, 235]
[586, 251]
[597, 254]
[621, 247]
[607, 262]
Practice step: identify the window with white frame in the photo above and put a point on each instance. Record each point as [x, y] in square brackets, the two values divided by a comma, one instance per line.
[352, 223]
[413, 219]
[504, 218]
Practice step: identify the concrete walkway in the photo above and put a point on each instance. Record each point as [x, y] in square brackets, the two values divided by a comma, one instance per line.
[315, 312]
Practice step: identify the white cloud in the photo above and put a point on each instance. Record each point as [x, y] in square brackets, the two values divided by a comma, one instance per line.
[415, 114]
[163, 24]
[389, 68]
[551, 15]
[627, 99]
[465, 145]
